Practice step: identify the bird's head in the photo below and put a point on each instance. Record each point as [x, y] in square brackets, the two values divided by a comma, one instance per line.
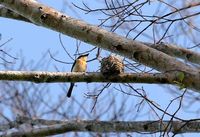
[83, 57]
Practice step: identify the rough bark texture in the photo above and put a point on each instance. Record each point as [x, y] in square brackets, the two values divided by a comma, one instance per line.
[4, 12]
[176, 51]
[167, 48]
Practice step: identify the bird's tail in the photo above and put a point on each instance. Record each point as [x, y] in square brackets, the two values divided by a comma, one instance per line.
[70, 90]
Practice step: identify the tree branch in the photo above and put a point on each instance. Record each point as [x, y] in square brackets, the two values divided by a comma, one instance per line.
[6, 13]
[166, 48]
[43, 127]
[50, 77]
[176, 51]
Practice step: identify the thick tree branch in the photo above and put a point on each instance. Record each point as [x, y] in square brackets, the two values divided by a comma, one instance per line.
[166, 48]
[43, 127]
[177, 51]
[49, 17]
[50, 77]
[4, 12]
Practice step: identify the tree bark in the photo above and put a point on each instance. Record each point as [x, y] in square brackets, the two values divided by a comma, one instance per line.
[55, 127]
[52, 77]
[167, 48]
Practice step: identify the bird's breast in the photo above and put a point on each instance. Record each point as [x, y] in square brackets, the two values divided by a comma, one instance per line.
[80, 66]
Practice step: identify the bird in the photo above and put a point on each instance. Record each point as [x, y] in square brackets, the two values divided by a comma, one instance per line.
[79, 65]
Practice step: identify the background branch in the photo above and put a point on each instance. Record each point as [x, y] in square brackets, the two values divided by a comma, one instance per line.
[56, 127]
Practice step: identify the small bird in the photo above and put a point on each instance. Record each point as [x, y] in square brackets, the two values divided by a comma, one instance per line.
[79, 65]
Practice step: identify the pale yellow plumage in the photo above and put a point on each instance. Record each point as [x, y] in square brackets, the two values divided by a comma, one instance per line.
[80, 65]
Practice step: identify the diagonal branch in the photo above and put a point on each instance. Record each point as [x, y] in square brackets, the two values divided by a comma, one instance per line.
[176, 51]
[4, 12]
[53, 19]
[166, 48]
